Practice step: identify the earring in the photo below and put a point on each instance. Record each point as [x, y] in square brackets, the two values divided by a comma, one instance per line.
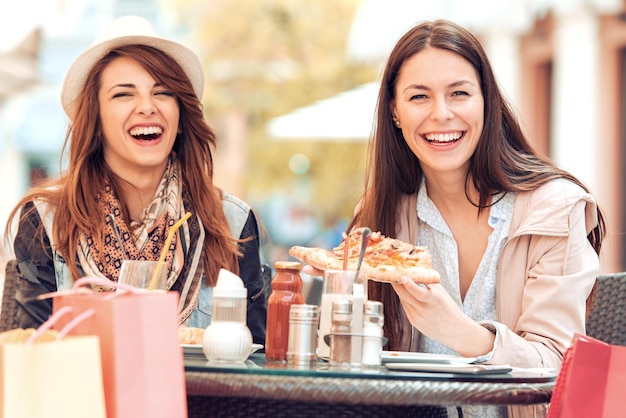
[398, 123]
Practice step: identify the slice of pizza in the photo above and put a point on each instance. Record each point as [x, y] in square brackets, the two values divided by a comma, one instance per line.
[385, 260]
[190, 335]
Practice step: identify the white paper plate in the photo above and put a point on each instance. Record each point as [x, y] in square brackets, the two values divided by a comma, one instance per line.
[456, 368]
[409, 357]
[196, 349]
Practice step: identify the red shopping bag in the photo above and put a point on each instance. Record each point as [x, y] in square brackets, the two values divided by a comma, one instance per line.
[142, 361]
[59, 378]
[592, 381]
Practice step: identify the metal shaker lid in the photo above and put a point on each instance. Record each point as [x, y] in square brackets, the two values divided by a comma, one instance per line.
[342, 306]
[303, 311]
[372, 308]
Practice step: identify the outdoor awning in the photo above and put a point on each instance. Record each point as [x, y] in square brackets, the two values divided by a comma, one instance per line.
[18, 66]
[347, 116]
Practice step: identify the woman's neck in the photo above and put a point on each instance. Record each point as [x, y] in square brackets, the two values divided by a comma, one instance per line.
[452, 193]
[138, 193]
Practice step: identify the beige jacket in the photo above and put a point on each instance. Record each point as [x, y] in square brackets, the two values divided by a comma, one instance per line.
[546, 272]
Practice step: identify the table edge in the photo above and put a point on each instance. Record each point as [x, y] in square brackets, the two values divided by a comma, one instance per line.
[365, 391]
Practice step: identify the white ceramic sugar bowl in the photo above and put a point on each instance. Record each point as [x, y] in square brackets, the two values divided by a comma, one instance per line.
[228, 338]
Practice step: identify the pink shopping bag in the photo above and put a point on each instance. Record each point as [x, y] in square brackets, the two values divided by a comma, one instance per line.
[142, 361]
[592, 381]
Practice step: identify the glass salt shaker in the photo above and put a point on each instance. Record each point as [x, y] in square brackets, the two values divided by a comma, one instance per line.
[373, 319]
[340, 333]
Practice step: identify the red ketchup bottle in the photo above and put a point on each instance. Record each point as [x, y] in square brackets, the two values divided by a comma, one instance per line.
[286, 291]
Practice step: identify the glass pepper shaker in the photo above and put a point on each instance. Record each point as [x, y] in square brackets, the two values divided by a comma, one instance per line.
[340, 333]
[372, 333]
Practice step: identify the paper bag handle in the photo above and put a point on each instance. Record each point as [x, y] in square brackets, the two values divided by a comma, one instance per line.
[80, 284]
[121, 287]
[90, 280]
[53, 320]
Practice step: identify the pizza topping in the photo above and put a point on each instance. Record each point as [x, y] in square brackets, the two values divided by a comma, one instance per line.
[385, 259]
[380, 250]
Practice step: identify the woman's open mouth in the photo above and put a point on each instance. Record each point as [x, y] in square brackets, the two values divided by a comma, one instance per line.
[146, 133]
[444, 138]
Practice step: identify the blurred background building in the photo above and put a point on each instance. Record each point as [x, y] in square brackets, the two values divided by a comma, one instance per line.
[292, 84]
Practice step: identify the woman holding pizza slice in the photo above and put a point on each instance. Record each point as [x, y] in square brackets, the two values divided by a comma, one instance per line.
[514, 238]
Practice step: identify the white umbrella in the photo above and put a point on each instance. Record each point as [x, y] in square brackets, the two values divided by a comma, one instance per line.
[345, 116]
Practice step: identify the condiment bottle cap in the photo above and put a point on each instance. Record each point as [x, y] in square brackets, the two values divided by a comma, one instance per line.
[288, 265]
[229, 285]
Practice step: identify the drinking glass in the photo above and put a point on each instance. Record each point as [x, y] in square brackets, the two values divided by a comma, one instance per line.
[139, 273]
[341, 284]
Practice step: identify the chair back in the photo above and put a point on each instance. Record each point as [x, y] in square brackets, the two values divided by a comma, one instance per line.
[607, 317]
[8, 313]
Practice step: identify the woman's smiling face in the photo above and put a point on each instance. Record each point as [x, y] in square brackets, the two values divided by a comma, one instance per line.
[440, 108]
[139, 118]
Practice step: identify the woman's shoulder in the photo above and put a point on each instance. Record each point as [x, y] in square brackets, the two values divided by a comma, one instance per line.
[232, 202]
[552, 204]
[237, 212]
[43, 200]
[558, 190]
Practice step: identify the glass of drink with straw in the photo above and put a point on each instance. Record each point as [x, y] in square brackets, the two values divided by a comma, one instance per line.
[150, 274]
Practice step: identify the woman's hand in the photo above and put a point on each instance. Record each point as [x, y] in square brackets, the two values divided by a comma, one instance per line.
[435, 314]
[312, 271]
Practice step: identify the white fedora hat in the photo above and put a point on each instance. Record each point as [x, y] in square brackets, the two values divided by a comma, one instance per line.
[126, 30]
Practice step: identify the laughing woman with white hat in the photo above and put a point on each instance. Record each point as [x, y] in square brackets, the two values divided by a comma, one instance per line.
[139, 158]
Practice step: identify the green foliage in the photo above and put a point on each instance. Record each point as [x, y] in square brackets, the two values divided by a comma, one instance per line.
[270, 56]
[267, 58]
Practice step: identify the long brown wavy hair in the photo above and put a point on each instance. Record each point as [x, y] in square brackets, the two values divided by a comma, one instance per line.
[503, 161]
[74, 193]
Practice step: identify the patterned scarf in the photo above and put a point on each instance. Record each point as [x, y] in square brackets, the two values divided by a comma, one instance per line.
[144, 240]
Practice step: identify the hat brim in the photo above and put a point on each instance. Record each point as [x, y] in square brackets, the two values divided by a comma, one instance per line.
[76, 76]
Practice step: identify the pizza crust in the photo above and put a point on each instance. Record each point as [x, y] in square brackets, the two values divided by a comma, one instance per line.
[190, 335]
[317, 257]
[21, 336]
[391, 274]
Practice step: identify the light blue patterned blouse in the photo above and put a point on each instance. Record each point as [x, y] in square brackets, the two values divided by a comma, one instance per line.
[480, 299]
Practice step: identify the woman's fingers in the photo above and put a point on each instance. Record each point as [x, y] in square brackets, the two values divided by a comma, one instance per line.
[312, 271]
[408, 288]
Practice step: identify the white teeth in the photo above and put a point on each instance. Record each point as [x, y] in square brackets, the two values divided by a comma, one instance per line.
[146, 130]
[448, 137]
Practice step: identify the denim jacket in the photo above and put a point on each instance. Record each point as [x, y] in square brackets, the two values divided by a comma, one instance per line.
[242, 224]
[36, 270]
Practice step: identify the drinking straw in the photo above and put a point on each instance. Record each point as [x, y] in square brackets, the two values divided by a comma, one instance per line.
[346, 244]
[165, 249]
[346, 254]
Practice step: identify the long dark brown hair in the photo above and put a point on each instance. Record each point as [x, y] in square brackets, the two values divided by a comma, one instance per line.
[503, 161]
[74, 193]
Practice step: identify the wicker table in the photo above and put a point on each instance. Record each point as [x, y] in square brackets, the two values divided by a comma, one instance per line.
[256, 390]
